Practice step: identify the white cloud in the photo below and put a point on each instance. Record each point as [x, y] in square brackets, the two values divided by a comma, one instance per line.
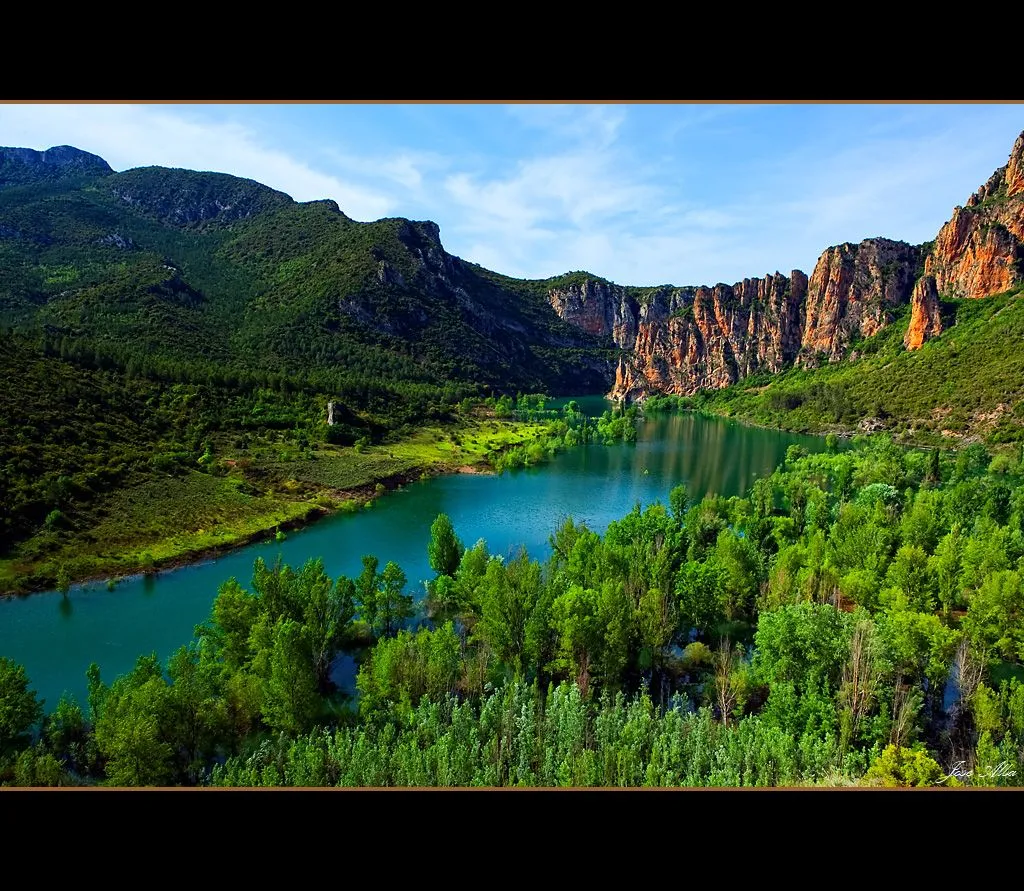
[410, 170]
[688, 194]
[595, 125]
[150, 135]
[900, 184]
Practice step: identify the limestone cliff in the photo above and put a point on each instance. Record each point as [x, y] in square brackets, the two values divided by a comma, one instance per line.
[980, 251]
[681, 340]
[853, 292]
[925, 320]
[1015, 169]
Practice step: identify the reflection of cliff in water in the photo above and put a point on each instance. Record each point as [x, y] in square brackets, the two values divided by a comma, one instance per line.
[56, 639]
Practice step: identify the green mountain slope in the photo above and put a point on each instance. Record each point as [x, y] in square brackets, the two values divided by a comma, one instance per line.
[170, 339]
[176, 265]
[966, 384]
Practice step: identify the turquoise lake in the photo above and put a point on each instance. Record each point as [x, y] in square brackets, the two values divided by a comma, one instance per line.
[56, 638]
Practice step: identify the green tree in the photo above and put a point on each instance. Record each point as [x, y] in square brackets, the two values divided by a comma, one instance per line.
[327, 613]
[233, 615]
[129, 728]
[65, 730]
[945, 565]
[899, 766]
[445, 549]
[678, 502]
[510, 597]
[910, 574]
[366, 597]
[740, 564]
[576, 617]
[995, 617]
[290, 699]
[197, 712]
[393, 605]
[699, 589]
[20, 708]
[805, 644]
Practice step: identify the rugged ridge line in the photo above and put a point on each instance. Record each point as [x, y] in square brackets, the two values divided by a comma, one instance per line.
[681, 340]
[25, 165]
[979, 252]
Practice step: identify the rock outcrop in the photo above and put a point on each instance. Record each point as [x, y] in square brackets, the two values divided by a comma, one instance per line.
[925, 319]
[852, 293]
[24, 165]
[1015, 169]
[681, 340]
[980, 251]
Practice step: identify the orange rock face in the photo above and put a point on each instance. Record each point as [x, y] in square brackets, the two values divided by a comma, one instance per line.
[853, 291]
[925, 320]
[977, 253]
[681, 340]
[980, 251]
[1015, 169]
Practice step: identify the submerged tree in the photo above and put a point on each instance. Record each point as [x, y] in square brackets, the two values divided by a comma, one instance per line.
[444, 550]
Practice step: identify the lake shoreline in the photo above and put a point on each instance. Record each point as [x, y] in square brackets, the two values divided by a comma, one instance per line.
[346, 500]
[57, 638]
[362, 496]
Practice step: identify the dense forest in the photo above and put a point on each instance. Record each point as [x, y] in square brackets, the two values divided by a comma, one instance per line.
[173, 339]
[854, 619]
[193, 361]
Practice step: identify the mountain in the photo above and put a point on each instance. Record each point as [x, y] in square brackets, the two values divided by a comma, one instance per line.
[979, 252]
[191, 359]
[25, 165]
[206, 269]
[170, 341]
[201, 268]
[684, 340]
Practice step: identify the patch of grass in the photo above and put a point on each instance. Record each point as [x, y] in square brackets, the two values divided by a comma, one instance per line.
[155, 522]
[342, 469]
[156, 519]
[967, 382]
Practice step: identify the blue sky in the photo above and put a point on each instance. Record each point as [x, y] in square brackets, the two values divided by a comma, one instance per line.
[642, 194]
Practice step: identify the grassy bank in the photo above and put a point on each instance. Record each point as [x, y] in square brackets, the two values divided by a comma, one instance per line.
[965, 386]
[165, 519]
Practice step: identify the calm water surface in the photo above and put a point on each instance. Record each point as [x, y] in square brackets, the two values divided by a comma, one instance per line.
[56, 638]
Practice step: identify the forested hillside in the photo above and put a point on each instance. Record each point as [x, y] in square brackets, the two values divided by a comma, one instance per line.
[177, 336]
[855, 619]
[962, 387]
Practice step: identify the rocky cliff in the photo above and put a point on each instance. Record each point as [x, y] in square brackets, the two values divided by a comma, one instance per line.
[979, 252]
[925, 319]
[681, 340]
[852, 293]
[19, 166]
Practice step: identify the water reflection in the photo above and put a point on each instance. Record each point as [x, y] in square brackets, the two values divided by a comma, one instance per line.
[592, 484]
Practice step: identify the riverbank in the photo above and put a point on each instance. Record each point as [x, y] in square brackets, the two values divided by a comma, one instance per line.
[162, 522]
[711, 405]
